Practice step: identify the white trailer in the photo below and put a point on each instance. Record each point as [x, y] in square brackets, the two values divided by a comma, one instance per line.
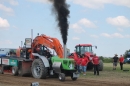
[5, 51]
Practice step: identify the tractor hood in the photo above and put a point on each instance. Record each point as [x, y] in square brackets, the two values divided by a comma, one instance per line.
[89, 54]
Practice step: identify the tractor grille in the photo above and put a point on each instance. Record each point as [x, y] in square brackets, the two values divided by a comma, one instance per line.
[65, 62]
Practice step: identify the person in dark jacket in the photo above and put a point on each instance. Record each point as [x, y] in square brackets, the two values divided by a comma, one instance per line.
[115, 61]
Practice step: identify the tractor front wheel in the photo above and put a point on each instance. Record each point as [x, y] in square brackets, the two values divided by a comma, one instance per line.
[15, 71]
[73, 78]
[61, 76]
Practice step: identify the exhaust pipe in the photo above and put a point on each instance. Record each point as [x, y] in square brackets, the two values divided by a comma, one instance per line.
[65, 52]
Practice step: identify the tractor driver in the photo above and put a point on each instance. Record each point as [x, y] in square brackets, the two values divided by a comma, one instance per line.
[48, 54]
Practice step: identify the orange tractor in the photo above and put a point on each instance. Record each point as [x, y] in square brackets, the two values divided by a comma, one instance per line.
[87, 51]
[36, 59]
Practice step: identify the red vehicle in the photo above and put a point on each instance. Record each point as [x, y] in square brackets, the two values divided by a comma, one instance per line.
[86, 50]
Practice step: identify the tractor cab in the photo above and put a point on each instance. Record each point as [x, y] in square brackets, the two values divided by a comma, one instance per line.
[43, 51]
[83, 49]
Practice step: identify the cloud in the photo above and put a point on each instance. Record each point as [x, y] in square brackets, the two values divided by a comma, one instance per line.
[106, 35]
[15, 27]
[12, 2]
[120, 21]
[127, 36]
[9, 11]
[94, 36]
[4, 23]
[115, 35]
[78, 27]
[120, 29]
[6, 9]
[95, 4]
[6, 42]
[41, 1]
[87, 23]
[76, 38]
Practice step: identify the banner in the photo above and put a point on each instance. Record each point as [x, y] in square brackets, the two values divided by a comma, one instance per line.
[5, 61]
[13, 62]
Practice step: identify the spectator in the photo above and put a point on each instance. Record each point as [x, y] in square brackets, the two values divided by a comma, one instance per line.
[95, 61]
[121, 60]
[115, 60]
[78, 64]
[84, 63]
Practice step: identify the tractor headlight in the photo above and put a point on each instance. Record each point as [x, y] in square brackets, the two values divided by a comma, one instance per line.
[71, 66]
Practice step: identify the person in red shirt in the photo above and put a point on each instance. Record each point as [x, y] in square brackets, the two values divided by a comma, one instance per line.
[95, 61]
[84, 63]
[121, 60]
[78, 64]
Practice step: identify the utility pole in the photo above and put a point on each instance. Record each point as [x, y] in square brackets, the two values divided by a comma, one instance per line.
[32, 39]
[21, 44]
[32, 34]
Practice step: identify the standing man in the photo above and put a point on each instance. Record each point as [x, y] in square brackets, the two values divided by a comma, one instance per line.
[121, 60]
[95, 61]
[78, 64]
[84, 63]
[115, 60]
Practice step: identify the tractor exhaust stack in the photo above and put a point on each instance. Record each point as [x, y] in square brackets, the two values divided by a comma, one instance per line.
[65, 51]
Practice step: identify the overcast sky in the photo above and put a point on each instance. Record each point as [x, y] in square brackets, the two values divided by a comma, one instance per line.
[105, 23]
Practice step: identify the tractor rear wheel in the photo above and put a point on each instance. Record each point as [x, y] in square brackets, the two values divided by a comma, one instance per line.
[90, 66]
[61, 76]
[100, 65]
[15, 71]
[38, 69]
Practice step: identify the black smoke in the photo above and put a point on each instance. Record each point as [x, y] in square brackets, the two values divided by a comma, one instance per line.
[62, 13]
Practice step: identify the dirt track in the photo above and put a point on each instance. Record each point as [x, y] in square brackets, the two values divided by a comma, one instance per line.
[9, 80]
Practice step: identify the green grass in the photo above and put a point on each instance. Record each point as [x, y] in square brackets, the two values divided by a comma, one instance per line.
[109, 73]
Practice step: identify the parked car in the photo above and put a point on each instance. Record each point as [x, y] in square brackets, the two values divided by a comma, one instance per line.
[127, 59]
